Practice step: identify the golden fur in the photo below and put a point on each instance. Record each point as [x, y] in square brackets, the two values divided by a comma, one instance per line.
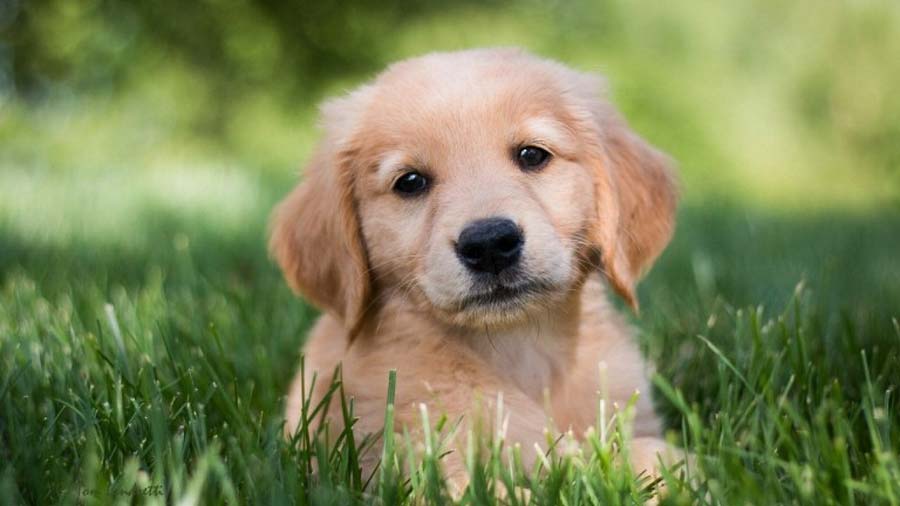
[382, 267]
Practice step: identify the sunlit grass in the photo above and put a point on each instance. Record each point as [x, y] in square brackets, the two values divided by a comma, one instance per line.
[116, 207]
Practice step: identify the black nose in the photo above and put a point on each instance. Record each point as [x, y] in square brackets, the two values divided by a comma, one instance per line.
[490, 245]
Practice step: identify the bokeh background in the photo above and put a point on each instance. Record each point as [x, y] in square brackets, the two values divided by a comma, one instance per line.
[111, 109]
[144, 144]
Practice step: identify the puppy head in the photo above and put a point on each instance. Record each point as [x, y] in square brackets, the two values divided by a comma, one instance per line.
[479, 187]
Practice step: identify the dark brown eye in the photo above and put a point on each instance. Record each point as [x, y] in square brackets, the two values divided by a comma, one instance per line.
[532, 157]
[410, 184]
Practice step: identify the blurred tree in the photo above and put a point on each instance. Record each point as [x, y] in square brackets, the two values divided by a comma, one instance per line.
[91, 44]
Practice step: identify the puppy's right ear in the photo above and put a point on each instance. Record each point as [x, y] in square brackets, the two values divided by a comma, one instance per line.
[315, 231]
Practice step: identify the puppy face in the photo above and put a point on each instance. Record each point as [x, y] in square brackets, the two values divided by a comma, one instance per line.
[475, 200]
[479, 187]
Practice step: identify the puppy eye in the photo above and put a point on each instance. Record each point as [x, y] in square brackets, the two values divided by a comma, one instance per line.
[410, 184]
[532, 157]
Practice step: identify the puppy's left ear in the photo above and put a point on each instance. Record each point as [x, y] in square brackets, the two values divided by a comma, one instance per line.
[636, 201]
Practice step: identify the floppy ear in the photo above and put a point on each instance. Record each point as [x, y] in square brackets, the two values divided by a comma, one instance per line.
[636, 200]
[315, 233]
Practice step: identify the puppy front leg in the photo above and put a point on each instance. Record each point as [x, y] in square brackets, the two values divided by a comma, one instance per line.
[646, 454]
[519, 421]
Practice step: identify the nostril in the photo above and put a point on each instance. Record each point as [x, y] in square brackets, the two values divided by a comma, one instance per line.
[509, 243]
[472, 251]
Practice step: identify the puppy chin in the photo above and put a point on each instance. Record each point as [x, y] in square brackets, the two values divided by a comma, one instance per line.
[487, 317]
[502, 310]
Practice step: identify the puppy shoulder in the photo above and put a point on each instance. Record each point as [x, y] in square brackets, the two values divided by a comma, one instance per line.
[326, 344]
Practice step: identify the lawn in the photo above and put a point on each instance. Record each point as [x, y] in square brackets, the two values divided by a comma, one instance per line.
[146, 339]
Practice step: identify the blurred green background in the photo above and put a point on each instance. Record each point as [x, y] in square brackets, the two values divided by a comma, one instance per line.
[108, 109]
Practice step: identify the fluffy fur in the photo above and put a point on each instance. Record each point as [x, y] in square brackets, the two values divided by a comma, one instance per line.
[383, 268]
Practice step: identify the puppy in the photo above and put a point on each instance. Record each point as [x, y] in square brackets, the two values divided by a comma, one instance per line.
[451, 225]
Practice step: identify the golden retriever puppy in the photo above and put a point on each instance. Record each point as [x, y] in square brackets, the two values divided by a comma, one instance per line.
[457, 223]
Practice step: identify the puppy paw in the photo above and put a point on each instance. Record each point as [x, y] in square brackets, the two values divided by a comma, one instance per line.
[648, 456]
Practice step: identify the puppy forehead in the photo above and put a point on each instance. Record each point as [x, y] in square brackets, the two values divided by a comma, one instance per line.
[450, 110]
[449, 89]
[424, 127]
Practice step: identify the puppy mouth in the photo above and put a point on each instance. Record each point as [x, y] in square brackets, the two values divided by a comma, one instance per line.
[503, 296]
